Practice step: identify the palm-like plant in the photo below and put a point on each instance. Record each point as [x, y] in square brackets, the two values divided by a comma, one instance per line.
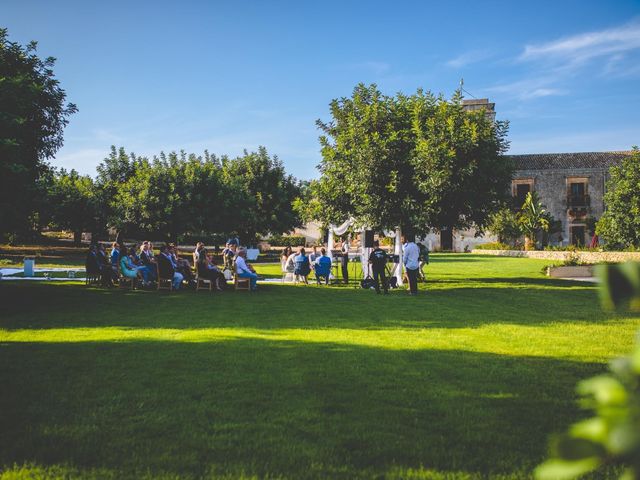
[532, 219]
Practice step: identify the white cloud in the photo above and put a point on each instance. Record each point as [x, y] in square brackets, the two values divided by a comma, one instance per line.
[583, 47]
[527, 89]
[468, 58]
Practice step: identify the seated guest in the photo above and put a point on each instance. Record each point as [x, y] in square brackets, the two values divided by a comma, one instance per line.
[182, 264]
[167, 268]
[313, 256]
[206, 269]
[92, 263]
[146, 259]
[115, 254]
[131, 270]
[196, 252]
[244, 270]
[323, 267]
[109, 275]
[228, 254]
[284, 257]
[290, 264]
[302, 269]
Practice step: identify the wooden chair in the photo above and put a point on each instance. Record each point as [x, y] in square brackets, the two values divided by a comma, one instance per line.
[203, 283]
[163, 282]
[240, 283]
[92, 278]
[124, 281]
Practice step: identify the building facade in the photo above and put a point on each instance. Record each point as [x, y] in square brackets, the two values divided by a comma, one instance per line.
[571, 186]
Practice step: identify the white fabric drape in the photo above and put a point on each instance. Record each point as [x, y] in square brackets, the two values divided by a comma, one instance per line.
[398, 251]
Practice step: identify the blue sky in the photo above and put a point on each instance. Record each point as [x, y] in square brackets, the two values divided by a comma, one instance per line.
[227, 76]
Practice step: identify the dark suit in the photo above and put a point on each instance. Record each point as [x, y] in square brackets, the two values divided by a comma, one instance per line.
[165, 267]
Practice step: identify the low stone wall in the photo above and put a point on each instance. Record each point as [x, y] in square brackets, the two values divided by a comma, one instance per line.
[585, 257]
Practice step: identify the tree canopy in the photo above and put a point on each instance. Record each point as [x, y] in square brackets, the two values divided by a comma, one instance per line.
[619, 226]
[416, 161]
[33, 114]
[173, 196]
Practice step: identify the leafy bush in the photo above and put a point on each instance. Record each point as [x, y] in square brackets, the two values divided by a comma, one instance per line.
[495, 246]
[287, 241]
[612, 436]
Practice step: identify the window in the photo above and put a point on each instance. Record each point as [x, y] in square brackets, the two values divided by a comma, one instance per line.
[577, 192]
[519, 190]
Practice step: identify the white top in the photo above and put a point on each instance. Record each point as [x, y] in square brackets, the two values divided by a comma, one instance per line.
[241, 266]
[411, 256]
[290, 264]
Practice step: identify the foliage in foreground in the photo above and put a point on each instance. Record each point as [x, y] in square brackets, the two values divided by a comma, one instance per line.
[612, 436]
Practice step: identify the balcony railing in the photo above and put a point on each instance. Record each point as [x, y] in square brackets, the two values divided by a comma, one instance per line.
[578, 200]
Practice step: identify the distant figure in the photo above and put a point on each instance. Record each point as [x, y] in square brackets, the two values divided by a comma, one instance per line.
[411, 259]
[345, 260]
[424, 260]
[378, 261]
[302, 268]
[322, 267]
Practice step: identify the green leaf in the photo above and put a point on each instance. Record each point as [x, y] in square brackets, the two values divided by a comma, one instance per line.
[564, 469]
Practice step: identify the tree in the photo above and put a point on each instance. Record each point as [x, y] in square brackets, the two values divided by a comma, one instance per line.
[619, 226]
[73, 203]
[265, 190]
[532, 219]
[412, 161]
[33, 115]
[114, 171]
[504, 223]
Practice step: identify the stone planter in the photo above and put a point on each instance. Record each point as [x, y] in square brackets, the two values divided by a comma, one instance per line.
[578, 271]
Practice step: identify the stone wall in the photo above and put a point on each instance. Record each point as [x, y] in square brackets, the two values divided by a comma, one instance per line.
[585, 257]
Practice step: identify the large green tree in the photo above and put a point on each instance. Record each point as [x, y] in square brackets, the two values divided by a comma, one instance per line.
[619, 226]
[179, 194]
[33, 114]
[73, 203]
[266, 194]
[416, 161]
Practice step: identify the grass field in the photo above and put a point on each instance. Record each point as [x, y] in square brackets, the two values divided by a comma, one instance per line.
[465, 381]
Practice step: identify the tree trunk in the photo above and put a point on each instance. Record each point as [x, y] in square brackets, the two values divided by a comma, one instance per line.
[77, 237]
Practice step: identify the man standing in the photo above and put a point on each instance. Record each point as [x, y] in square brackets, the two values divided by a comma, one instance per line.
[345, 260]
[411, 258]
[378, 261]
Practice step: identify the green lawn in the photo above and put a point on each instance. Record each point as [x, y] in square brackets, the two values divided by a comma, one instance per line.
[465, 381]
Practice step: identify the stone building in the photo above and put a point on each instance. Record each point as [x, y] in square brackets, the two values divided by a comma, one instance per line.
[570, 185]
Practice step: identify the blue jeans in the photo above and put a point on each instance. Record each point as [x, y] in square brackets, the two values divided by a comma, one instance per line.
[252, 276]
[146, 273]
[177, 280]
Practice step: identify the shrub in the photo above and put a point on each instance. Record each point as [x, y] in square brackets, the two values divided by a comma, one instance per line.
[495, 246]
[287, 241]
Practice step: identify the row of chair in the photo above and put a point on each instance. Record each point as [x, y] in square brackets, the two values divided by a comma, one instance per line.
[94, 279]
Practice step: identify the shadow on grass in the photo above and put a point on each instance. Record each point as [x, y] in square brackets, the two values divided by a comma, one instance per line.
[295, 410]
[41, 306]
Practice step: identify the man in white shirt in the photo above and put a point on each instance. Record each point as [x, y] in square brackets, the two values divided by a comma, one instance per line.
[244, 270]
[411, 259]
